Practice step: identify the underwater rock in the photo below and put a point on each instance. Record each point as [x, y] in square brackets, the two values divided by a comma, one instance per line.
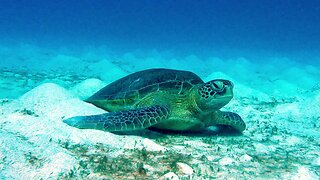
[316, 162]
[150, 145]
[226, 161]
[293, 141]
[304, 173]
[149, 168]
[184, 168]
[263, 149]
[245, 158]
[170, 176]
[86, 88]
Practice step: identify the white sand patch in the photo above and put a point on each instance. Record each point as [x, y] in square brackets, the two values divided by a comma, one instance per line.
[34, 123]
[59, 162]
[311, 106]
[291, 111]
[300, 117]
[263, 149]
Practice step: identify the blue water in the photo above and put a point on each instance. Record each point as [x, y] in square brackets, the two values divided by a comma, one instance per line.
[249, 28]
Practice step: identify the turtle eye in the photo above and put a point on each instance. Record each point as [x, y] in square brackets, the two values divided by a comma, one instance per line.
[217, 86]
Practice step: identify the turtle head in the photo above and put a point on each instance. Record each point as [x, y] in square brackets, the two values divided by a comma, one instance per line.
[214, 94]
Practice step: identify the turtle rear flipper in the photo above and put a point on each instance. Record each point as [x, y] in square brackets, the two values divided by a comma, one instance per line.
[123, 120]
[230, 119]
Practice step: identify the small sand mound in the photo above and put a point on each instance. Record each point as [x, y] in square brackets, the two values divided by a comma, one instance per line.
[87, 88]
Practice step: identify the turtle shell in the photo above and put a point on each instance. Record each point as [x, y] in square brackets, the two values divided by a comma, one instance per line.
[134, 87]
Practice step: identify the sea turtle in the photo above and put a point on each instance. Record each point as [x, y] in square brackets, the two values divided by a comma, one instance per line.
[163, 99]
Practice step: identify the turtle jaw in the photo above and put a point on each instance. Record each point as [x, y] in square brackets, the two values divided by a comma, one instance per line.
[220, 99]
[217, 103]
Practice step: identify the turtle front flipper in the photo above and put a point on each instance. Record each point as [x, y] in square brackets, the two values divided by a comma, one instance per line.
[229, 119]
[123, 120]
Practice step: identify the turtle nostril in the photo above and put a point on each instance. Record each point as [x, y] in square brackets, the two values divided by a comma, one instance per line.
[227, 83]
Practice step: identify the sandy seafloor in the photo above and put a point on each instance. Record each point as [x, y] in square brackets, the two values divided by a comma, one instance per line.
[278, 99]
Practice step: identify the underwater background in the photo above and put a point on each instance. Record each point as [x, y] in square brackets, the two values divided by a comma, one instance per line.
[54, 54]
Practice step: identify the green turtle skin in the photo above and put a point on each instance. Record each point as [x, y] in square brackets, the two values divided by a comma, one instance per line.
[163, 99]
